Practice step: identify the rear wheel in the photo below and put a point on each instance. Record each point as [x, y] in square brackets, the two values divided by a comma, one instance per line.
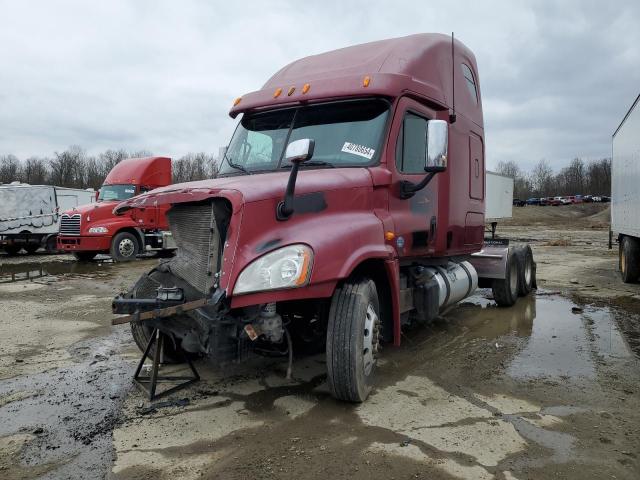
[353, 340]
[526, 270]
[12, 249]
[505, 291]
[124, 247]
[31, 248]
[84, 256]
[629, 259]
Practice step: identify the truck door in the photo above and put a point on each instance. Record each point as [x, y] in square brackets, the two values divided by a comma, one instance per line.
[414, 218]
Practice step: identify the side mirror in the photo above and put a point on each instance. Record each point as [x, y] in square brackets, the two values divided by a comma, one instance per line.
[296, 153]
[300, 150]
[437, 146]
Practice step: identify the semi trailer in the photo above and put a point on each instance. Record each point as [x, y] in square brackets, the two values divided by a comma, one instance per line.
[89, 230]
[625, 193]
[30, 215]
[350, 204]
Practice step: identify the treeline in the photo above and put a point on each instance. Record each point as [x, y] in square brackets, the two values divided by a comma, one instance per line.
[74, 168]
[579, 178]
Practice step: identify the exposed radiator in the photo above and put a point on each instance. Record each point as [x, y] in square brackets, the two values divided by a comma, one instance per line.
[196, 234]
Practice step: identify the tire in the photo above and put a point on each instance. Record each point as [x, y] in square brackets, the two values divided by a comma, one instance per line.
[629, 256]
[124, 247]
[526, 270]
[142, 334]
[84, 256]
[353, 336]
[12, 250]
[52, 245]
[505, 291]
[31, 248]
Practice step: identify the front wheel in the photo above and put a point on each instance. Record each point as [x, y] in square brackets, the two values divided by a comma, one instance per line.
[353, 340]
[124, 247]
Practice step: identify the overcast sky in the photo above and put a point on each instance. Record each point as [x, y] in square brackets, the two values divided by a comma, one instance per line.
[556, 76]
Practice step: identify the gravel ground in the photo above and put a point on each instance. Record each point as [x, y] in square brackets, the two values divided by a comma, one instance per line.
[546, 389]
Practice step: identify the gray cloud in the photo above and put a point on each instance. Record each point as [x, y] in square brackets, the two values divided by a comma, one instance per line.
[556, 77]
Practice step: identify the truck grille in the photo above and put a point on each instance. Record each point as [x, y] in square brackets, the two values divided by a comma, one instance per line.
[70, 224]
[196, 234]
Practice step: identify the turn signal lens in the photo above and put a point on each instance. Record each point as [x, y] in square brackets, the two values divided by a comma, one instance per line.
[237, 101]
[277, 93]
[366, 81]
[291, 90]
[388, 236]
[306, 88]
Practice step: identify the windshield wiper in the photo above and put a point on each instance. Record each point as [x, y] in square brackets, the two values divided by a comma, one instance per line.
[312, 163]
[237, 166]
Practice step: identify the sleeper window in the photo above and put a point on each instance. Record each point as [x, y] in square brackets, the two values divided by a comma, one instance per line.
[470, 81]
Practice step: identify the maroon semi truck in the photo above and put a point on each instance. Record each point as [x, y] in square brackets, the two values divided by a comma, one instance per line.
[350, 204]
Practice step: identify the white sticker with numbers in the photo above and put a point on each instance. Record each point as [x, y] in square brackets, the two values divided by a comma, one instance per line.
[360, 150]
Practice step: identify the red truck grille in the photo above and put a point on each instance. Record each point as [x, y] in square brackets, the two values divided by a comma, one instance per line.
[70, 224]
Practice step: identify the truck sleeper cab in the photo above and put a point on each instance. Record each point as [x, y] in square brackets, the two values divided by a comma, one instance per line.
[350, 203]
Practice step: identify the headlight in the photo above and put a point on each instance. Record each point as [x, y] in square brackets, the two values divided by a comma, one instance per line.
[98, 230]
[287, 267]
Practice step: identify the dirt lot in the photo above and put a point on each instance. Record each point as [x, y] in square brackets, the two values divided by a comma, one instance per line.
[547, 389]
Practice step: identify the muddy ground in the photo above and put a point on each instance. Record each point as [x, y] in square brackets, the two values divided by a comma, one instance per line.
[547, 389]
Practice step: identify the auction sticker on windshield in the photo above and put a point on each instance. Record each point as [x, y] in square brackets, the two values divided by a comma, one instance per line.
[360, 150]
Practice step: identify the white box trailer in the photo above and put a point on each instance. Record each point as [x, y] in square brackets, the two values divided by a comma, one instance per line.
[499, 199]
[625, 192]
[30, 214]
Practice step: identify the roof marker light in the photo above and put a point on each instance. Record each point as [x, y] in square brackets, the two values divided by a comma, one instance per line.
[237, 101]
[366, 81]
[306, 88]
[291, 90]
[277, 93]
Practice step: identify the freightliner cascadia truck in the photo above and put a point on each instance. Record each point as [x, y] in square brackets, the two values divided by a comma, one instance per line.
[350, 204]
[625, 193]
[88, 230]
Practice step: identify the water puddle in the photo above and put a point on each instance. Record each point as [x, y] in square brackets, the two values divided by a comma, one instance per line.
[24, 272]
[558, 345]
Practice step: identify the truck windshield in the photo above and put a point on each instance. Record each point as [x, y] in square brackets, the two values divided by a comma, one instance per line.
[116, 192]
[346, 134]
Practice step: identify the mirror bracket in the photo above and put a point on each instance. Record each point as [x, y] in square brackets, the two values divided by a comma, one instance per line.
[408, 189]
[297, 152]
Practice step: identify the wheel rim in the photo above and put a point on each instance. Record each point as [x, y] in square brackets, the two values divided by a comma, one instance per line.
[513, 277]
[370, 345]
[126, 247]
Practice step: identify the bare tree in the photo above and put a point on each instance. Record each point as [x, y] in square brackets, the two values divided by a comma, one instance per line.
[542, 179]
[34, 171]
[10, 170]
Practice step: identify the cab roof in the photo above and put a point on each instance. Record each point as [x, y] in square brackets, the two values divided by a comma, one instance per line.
[418, 64]
[147, 171]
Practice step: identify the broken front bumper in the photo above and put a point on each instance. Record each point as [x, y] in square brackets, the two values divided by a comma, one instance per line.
[139, 309]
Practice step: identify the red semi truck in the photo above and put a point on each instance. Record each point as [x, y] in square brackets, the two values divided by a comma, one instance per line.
[350, 204]
[91, 229]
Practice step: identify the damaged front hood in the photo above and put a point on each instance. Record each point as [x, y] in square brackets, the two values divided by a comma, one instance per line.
[250, 188]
